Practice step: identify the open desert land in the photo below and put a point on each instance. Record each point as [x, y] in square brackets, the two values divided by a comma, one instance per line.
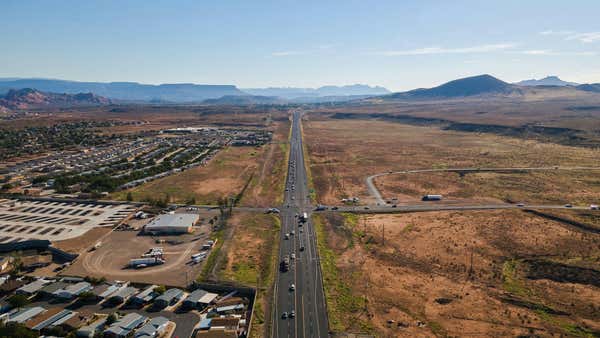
[249, 257]
[254, 173]
[478, 274]
[576, 114]
[343, 152]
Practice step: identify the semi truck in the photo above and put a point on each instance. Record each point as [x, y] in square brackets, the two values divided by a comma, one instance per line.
[432, 198]
[144, 262]
[284, 266]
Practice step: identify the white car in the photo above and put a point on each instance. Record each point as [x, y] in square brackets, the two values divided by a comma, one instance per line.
[520, 205]
[292, 287]
[593, 206]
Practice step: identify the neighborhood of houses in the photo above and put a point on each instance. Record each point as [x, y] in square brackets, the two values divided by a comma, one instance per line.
[89, 307]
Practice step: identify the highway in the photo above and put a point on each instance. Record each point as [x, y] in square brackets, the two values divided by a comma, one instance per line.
[437, 206]
[380, 201]
[308, 300]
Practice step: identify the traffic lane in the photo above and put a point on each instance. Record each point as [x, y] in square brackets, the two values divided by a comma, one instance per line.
[438, 207]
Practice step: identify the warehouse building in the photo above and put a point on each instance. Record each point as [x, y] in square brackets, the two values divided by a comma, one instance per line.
[171, 224]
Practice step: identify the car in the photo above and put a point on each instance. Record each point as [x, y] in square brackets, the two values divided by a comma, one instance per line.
[366, 208]
[593, 206]
[393, 206]
[292, 287]
[287, 236]
[292, 314]
[292, 233]
[302, 248]
[568, 205]
[334, 208]
[293, 256]
[520, 205]
[284, 315]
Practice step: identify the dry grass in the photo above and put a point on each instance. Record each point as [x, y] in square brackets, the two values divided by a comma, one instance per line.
[251, 256]
[454, 271]
[344, 152]
[261, 168]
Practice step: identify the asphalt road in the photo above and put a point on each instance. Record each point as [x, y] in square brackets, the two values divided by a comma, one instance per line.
[379, 199]
[308, 300]
[438, 206]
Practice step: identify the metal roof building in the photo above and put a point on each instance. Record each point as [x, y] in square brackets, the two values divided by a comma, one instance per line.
[154, 328]
[32, 287]
[199, 298]
[170, 224]
[170, 296]
[125, 325]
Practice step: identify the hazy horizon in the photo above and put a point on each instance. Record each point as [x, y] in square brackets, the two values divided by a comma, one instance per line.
[256, 45]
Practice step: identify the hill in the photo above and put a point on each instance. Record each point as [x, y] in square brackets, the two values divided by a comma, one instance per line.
[28, 98]
[547, 81]
[244, 100]
[126, 91]
[469, 86]
[294, 93]
[592, 87]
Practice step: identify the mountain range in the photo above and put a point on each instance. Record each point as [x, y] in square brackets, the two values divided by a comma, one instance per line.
[28, 98]
[184, 92]
[547, 81]
[489, 86]
[126, 91]
[31, 93]
[325, 91]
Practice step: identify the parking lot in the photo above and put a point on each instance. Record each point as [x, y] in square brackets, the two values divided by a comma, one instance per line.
[51, 220]
[111, 259]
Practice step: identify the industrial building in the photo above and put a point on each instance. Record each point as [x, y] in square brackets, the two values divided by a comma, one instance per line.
[172, 224]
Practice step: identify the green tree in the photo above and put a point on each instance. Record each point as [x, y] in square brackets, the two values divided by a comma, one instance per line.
[16, 330]
[18, 301]
[111, 318]
[87, 296]
[160, 289]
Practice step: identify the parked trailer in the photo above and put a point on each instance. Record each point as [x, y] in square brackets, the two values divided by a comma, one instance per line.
[138, 262]
[432, 198]
[200, 254]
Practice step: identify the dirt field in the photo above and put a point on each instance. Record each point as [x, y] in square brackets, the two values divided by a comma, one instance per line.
[251, 259]
[118, 247]
[261, 168]
[344, 152]
[488, 273]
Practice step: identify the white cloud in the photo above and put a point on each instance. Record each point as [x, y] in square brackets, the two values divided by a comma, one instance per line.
[536, 52]
[287, 53]
[554, 53]
[559, 33]
[440, 50]
[585, 37]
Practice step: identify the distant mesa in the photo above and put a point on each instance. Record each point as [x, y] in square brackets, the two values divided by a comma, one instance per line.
[294, 93]
[28, 98]
[547, 81]
[126, 91]
[244, 100]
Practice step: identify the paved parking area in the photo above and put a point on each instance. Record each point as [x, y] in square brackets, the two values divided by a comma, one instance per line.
[54, 220]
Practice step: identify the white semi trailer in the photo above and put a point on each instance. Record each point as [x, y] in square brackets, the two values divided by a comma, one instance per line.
[143, 262]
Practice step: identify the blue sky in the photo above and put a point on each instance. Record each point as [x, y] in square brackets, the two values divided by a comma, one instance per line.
[397, 44]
